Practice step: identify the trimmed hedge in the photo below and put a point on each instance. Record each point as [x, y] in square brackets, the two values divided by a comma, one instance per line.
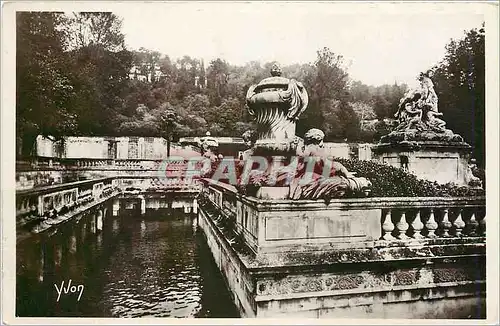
[388, 181]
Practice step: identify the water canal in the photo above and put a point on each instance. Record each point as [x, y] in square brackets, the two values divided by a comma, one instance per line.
[156, 265]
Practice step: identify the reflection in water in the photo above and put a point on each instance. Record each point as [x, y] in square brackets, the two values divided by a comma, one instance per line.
[41, 265]
[156, 265]
[99, 221]
[58, 255]
[72, 246]
[116, 226]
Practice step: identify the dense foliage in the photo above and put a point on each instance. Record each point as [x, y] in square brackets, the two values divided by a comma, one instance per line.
[388, 181]
[460, 82]
[75, 76]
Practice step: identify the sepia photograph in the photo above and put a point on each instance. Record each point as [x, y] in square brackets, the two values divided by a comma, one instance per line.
[300, 161]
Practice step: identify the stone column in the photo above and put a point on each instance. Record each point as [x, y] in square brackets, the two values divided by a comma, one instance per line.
[143, 205]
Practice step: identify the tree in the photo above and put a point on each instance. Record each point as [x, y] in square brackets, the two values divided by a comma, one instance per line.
[85, 29]
[360, 92]
[44, 85]
[382, 107]
[101, 65]
[329, 107]
[363, 110]
[217, 79]
[168, 118]
[459, 83]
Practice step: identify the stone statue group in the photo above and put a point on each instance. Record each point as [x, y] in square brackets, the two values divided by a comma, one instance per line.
[418, 109]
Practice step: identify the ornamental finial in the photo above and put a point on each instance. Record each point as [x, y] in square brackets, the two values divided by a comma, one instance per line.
[276, 70]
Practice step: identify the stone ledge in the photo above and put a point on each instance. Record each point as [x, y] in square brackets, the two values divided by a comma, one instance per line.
[382, 291]
[416, 145]
[348, 257]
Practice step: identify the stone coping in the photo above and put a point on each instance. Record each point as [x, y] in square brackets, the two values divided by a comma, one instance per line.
[350, 203]
[160, 194]
[403, 253]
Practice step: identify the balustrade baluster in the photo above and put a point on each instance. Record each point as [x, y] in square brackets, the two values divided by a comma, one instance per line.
[459, 224]
[445, 224]
[472, 225]
[402, 226]
[431, 225]
[387, 226]
[417, 226]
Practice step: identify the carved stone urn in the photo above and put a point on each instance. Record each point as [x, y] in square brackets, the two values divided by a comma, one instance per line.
[276, 102]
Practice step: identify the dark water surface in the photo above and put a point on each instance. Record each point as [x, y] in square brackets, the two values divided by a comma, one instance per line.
[156, 265]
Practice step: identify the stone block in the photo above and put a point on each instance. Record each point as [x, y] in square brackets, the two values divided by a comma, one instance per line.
[434, 161]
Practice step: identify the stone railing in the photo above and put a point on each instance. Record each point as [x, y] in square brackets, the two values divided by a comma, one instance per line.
[52, 201]
[268, 226]
[98, 164]
[140, 184]
[44, 172]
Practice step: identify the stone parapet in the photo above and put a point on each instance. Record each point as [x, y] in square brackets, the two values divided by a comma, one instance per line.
[358, 258]
[269, 226]
[424, 279]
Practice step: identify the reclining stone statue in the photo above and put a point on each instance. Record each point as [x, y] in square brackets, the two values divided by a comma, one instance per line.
[327, 179]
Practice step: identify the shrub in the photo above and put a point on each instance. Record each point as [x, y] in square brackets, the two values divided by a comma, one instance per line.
[388, 181]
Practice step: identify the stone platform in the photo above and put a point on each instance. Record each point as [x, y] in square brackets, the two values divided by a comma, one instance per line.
[356, 258]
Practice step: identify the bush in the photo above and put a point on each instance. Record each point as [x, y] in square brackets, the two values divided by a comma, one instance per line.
[388, 181]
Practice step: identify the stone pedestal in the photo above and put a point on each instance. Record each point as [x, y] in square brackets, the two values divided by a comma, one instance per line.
[434, 161]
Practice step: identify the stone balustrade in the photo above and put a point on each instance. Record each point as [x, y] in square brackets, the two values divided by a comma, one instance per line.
[98, 164]
[268, 226]
[433, 222]
[52, 201]
[44, 172]
[157, 184]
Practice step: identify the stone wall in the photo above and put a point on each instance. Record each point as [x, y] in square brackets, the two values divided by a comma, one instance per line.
[338, 149]
[365, 152]
[144, 148]
[86, 147]
[236, 275]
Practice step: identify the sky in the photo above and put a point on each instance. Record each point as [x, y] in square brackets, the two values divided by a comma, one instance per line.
[379, 44]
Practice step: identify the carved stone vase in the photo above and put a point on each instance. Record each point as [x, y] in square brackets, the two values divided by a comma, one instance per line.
[276, 102]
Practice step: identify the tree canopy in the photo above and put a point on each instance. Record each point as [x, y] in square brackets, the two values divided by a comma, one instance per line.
[460, 84]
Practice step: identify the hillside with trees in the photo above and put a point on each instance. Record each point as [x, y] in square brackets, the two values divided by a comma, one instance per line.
[76, 77]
